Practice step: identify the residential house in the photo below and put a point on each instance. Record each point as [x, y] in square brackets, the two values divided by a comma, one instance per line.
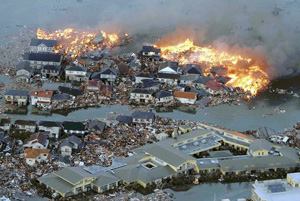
[93, 85]
[51, 71]
[168, 78]
[24, 72]
[96, 125]
[143, 117]
[74, 180]
[152, 85]
[185, 97]
[168, 67]
[37, 141]
[70, 91]
[5, 124]
[71, 127]
[193, 69]
[163, 97]
[35, 156]
[41, 98]
[108, 74]
[143, 76]
[69, 144]
[200, 82]
[214, 87]
[260, 147]
[141, 95]
[26, 125]
[37, 60]
[76, 73]
[19, 97]
[42, 45]
[52, 127]
[150, 51]
[188, 79]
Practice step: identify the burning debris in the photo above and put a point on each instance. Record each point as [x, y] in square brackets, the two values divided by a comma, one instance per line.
[74, 43]
[251, 78]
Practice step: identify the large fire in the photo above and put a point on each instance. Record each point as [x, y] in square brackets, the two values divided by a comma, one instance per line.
[74, 43]
[250, 78]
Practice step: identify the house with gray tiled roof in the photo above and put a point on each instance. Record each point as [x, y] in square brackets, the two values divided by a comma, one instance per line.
[37, 60]
[24, 72]
[42, 45]
[143, 117]
[51, 71]
[76, 73]
[141, 96]
[19, 97]
[54, 128]
[69, 144]
[37, 141]
[163, 97]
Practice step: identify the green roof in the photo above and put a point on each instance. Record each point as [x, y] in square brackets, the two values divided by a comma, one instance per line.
[256, 163]
[105, 178]
[132, 173]
[167, 154]
[73, 174]
[53, 181]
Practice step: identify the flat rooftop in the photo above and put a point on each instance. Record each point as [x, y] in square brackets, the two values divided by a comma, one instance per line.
[276, 190]
[295, 177]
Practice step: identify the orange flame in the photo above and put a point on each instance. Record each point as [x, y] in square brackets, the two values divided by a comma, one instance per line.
[250, 79]
[75, 42]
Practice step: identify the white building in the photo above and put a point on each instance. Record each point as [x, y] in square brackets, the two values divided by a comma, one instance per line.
[278, 189]
[34, 156]
[41, 97]
[36, 141]
[143, 117]
[54, 128]
[185, 97]
[169, 67]
[76, 73]
[141, 95]
[163, 97]
[168, 78]
[42, 45]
